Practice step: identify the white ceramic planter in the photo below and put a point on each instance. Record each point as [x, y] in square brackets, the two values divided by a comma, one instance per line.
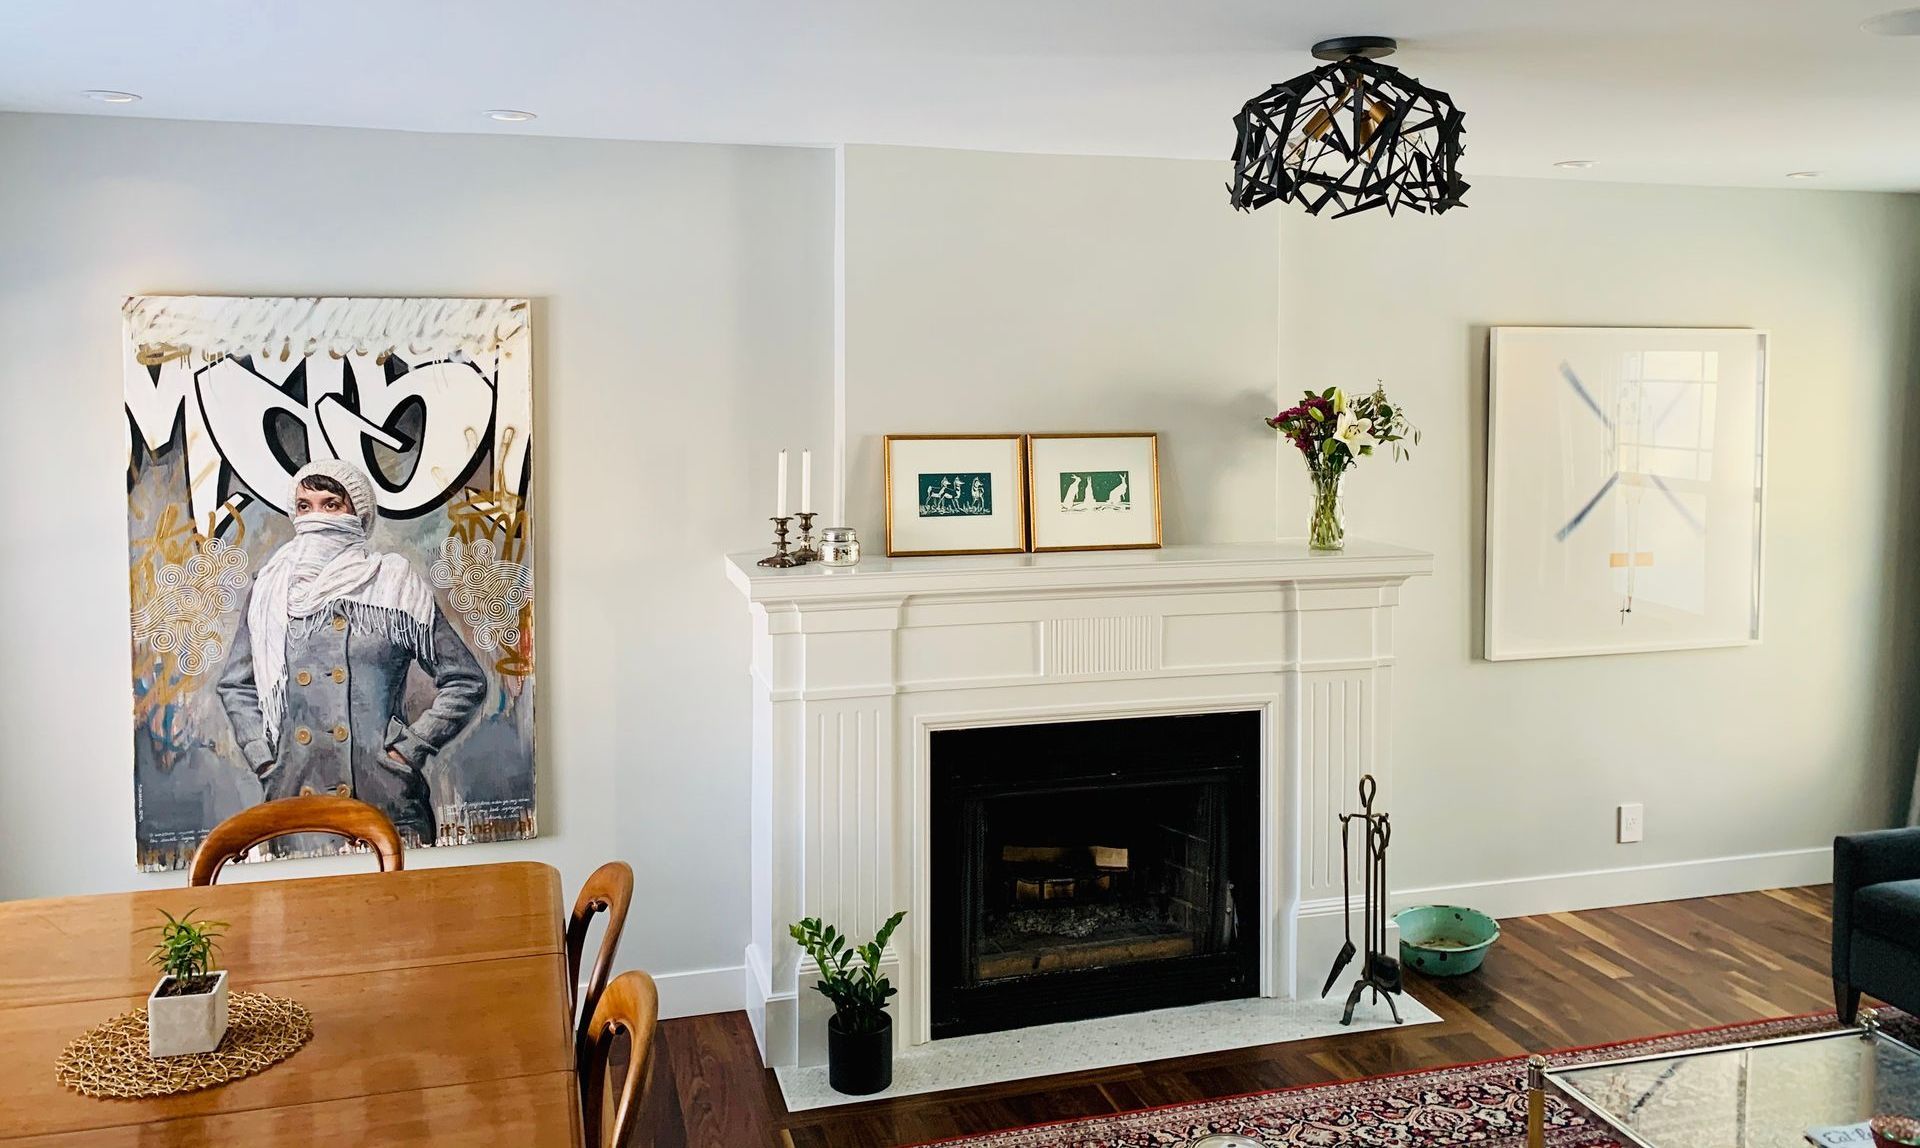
[177, 1026]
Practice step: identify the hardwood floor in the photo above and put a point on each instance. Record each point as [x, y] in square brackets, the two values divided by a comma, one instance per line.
[1556, 981]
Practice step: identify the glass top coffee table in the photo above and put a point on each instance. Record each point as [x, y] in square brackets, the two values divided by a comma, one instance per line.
[1764, 1094]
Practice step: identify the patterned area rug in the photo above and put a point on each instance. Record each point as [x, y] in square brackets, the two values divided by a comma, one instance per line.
[1484, 1104]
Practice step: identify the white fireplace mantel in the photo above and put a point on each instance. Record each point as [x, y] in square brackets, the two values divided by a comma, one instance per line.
[853, 669]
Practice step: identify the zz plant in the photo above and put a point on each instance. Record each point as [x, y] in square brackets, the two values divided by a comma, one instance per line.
[185, 950]
[858, 992]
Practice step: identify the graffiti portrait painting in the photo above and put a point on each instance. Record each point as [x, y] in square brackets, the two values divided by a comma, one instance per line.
[330, 564]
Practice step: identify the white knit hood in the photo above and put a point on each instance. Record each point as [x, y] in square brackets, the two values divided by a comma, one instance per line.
[327, 570]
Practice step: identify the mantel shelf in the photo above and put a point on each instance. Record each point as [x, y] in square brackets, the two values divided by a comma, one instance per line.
[1101, 571]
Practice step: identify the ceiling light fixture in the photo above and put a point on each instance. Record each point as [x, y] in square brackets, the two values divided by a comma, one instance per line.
[510, 115]
[108, 97]
[1905, 22]
[1577, 164]
[1354, 133]
[1803, 175]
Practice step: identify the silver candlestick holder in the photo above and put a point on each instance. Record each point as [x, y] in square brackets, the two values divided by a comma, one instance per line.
[804, 551]
[780, 558]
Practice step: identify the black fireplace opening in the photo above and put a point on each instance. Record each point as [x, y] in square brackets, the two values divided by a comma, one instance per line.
[1091, 868]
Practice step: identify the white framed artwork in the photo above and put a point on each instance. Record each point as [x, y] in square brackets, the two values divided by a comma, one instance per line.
[1625, 489]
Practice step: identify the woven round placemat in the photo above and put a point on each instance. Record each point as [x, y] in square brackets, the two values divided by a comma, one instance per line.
[111, 1060]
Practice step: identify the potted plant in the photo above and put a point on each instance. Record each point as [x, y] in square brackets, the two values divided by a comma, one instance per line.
[860, 1033]
[187, 1011]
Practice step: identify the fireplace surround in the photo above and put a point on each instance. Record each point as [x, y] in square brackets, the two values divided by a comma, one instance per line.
[857, 673]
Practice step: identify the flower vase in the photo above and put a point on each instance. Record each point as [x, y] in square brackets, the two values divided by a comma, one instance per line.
[1328, 529]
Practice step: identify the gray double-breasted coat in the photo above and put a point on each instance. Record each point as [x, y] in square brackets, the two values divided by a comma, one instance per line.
[346, 690]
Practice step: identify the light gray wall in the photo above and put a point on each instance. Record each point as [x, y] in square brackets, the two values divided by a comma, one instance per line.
[683, 323]
[1514, 769]
[1017, 292]
[993, 292]
[684, 331]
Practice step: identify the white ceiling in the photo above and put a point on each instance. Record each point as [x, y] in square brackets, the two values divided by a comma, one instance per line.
[1682, 91]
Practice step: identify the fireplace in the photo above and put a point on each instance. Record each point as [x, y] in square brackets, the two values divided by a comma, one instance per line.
[859, 674]
[1089, 868]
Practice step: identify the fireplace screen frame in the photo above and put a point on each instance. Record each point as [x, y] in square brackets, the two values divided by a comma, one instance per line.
[1217, 752]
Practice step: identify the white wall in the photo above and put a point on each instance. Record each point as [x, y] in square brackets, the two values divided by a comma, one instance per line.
[1017, 292]
[1513, 770]
[683, 322]
[993, 292]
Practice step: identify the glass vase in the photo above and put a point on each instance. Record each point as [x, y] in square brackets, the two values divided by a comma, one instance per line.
[1328, 529]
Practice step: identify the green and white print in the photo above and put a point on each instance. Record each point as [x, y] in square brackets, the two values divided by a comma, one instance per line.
[967, 494]
[1095, 490]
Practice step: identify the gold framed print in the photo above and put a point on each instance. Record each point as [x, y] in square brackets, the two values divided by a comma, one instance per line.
[1094, 491]
[956, 494]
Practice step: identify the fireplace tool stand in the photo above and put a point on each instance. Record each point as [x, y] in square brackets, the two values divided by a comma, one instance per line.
[1378, 971]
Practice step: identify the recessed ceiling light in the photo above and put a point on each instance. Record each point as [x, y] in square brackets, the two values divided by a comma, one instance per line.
[1577, 164]
[107, 97]
[511, 115]
[1803, 175]
[1905, 22]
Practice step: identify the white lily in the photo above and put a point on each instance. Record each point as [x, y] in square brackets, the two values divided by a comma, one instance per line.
[1353, 433]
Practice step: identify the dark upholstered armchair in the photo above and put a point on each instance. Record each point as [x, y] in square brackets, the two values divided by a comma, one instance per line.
[1876, 919]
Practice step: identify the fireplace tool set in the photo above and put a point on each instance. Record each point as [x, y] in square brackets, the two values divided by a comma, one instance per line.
[1378, 971]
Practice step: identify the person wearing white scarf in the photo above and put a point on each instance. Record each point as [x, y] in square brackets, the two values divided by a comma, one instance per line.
[316, 681]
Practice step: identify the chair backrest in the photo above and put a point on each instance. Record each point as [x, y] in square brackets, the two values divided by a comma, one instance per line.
[609, 890]
[631, 1005]
[340, 816]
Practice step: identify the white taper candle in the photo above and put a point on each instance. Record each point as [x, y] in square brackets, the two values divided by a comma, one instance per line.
[806, 482]
[780, 500]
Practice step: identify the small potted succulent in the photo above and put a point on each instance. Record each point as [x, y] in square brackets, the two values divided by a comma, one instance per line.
[860, 1033]
[187, 1011]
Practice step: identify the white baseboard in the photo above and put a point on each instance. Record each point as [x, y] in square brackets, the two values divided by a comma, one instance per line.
[1321, 927]
[1630, 885]
[701, 991]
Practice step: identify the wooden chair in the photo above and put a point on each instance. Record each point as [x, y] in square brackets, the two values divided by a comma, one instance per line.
[341, 816]
[609, 890]
[630, 1005]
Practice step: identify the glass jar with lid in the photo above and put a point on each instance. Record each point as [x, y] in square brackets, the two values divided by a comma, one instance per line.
[839, 546]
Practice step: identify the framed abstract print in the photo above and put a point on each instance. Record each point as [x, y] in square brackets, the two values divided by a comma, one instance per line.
[1095, 491]
[956, 494]
[1625, 482]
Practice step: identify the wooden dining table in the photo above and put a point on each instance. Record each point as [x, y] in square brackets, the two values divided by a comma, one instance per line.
[438, 996]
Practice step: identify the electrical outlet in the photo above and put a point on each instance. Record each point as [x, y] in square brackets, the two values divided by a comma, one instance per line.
[1633, 823]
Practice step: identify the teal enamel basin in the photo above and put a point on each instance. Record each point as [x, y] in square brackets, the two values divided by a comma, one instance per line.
[1444, 940]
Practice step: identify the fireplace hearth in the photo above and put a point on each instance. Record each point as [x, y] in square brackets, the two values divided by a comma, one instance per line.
[1090, 868]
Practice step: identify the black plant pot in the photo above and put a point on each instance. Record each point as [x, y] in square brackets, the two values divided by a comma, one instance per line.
[859, 1062]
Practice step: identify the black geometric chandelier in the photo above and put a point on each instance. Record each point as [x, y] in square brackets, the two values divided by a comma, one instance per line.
[1355, 134]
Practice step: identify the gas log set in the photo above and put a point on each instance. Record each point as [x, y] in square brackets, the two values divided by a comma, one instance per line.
[1078, 908]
